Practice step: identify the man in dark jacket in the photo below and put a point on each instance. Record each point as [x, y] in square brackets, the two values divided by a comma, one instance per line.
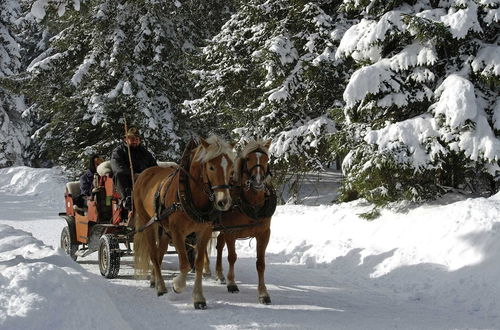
[141, 160]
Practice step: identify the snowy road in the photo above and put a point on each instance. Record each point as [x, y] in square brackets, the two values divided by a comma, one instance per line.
[340, 273]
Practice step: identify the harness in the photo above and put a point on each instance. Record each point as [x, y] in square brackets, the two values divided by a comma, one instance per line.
[183, 201]
[254, 211]
[212, 215]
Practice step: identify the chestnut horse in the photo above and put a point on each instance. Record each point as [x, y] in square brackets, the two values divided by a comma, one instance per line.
[191, 195]
[256, 201]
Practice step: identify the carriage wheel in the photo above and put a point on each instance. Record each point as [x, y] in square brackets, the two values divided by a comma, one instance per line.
[109, 256]
[68, 244]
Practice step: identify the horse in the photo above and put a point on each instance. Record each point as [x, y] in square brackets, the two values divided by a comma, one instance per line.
[256, 202]
[170, 203]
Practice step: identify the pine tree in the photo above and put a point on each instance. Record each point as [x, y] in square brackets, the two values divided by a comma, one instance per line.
[421, 107]
[13, 131]
[107, 60]
[271, 72]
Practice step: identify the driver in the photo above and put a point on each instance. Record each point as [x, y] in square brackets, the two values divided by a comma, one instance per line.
[141, 160]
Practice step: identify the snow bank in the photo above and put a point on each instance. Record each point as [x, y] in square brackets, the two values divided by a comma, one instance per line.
[41, 288]
[46, 183]
[442, 255]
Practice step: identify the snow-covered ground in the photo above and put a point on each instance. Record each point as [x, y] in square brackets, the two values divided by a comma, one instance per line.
[429, 267]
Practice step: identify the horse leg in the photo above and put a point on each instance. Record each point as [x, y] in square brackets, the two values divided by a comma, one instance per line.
[152, 278]
[262, 241]
[154, 257]
[202, 238]
[221, 241]
[162, 245]
[231, 258]
[179, 282]
[206, 264]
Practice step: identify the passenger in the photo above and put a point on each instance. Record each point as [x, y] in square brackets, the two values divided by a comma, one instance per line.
[141, 160]
[86, 181]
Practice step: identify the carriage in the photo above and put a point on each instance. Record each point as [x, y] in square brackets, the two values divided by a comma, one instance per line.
[100, 226]
[103, 225]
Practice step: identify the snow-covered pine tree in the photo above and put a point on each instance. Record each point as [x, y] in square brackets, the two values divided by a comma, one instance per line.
[13, 130]
[107, 60]
[271, 72]
[422, 107]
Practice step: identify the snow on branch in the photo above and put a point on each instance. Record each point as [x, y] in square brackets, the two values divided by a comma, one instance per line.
[457, 104]
[415, 135]
[361, 40]
[82, 70]
[39, 7]
[284, 48]
[312, 131]
[487, 60]
[462, 21]
[457, 101]
[371, 79]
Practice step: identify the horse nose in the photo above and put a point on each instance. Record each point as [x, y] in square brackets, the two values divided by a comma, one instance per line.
[222, 203]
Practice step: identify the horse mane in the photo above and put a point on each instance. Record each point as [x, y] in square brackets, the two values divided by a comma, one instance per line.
[217, 147]
[250, 147]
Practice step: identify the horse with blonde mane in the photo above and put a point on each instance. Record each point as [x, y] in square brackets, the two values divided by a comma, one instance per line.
[255, 201]
[170, 203]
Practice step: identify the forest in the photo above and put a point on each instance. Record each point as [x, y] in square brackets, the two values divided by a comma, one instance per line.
[401, 96]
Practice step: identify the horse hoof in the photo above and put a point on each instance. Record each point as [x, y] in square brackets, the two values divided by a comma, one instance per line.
[161, 293]
[152, 285]
[265, 300]
[173, 289]
[222, 281]
[233, 288]
[200, 305]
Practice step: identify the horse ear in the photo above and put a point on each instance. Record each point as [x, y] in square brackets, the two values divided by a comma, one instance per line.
[267, 144]
[204, 143]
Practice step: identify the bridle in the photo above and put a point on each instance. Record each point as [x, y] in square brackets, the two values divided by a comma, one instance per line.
[248, 171]
[207, 186]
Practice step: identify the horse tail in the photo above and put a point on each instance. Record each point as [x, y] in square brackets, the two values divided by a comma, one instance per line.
[141, 251]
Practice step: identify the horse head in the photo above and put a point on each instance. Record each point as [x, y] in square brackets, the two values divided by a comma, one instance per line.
[216, 159]
[252, 167]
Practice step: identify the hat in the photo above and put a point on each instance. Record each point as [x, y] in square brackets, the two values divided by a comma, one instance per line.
[132, 132]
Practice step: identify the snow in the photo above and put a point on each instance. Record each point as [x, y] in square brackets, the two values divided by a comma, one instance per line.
[462, 21]
[487, 60]
[370, 79]
[360, 40]
[82, 70]
[310, 132]
[432, 266]
[457, 100]
[284, 48]
[417, 134]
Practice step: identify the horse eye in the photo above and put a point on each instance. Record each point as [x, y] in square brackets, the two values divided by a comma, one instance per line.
[211, 168]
